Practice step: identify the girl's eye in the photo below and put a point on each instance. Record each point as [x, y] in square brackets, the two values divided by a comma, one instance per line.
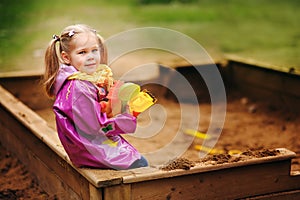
[81, 52]
[95, 50]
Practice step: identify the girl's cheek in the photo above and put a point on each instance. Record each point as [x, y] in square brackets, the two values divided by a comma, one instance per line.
[96, 55]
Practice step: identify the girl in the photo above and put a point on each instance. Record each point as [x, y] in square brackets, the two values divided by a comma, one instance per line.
[76, 75]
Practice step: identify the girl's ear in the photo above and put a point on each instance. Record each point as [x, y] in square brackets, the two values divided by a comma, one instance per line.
[65, 57]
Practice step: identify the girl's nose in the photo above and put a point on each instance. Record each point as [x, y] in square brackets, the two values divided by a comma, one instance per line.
[90, 56]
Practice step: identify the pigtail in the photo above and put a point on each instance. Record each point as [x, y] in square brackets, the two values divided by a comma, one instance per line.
[51, 67]
[103, 50]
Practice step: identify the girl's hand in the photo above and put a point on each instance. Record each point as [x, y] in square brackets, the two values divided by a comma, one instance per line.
[106, 108]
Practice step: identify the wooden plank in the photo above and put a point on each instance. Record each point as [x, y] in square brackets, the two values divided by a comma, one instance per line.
[16, 74]
[263, 83]
[290, 195]
[33, 122]
[118, 192]
[253, 62]
[275, 81]
[179, 81]
[27, 89]
[95, 193]
[240, 182]
[48, 178]
[145, 174]
[182, 63]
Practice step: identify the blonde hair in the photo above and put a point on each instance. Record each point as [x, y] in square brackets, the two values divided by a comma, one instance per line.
[52, 55]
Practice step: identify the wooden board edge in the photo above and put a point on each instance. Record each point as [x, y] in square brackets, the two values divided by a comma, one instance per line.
[152, 173]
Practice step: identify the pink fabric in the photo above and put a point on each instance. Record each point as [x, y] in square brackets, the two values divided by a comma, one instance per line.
[88, 136]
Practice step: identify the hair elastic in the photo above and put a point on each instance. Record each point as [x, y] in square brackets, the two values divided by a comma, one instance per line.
[56, 37]
[71, 33]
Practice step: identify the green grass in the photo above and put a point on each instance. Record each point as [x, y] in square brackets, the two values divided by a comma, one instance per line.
[265, 30]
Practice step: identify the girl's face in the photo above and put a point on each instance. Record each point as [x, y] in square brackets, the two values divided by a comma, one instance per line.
[84, 54]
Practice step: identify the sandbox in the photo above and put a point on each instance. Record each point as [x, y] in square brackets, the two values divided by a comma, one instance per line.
[262, 133]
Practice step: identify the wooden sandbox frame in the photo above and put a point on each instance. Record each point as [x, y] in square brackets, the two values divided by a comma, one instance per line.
[36, 144]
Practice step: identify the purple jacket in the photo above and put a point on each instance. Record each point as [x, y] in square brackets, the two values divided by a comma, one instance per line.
[88, 136]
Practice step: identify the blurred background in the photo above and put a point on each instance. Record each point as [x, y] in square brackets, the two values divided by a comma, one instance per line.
[265, 30]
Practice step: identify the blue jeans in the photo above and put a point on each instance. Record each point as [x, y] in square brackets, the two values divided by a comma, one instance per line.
[142, 162]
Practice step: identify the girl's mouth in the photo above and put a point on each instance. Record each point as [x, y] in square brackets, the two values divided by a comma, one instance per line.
[90, 65]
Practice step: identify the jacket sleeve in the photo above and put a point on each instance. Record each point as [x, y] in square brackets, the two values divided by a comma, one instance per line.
[87, 115]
